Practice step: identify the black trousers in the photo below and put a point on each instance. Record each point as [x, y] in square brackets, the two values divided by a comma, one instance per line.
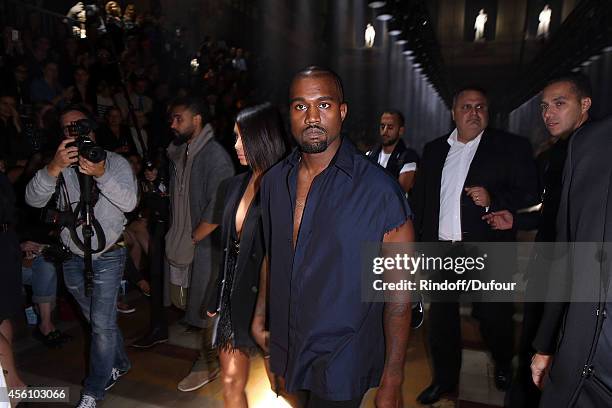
[496, 328]
[523, 393]
[314, 401]
[157, 250]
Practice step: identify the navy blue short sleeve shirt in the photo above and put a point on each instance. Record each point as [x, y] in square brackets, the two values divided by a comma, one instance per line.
[323, 338]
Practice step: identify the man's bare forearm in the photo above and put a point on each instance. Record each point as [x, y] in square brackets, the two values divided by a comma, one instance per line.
[397, 313]
[397, 329]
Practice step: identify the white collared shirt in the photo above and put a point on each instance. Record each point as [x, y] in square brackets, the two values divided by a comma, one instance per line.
[454, 173]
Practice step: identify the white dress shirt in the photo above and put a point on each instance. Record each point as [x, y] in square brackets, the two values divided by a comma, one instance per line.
[454, 173]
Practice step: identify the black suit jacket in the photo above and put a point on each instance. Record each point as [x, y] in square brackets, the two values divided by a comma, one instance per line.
[573, 331]
[246, 279]
[503, 164]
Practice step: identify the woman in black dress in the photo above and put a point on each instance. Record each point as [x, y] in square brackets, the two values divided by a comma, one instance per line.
[260, 143]
[10, 274]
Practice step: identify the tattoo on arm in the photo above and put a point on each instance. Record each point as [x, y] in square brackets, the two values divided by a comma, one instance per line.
[396, 327]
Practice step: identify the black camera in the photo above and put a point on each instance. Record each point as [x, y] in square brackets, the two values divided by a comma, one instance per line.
[56, 217]
[56, 253]
[87, 147]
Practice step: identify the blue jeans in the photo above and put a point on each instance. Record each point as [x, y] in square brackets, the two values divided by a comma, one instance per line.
[100, 310]
[43, 278]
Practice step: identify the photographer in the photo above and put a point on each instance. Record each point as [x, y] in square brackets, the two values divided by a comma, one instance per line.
[114, 193]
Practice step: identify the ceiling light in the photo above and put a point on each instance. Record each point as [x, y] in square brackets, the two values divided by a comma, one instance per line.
[395, 28]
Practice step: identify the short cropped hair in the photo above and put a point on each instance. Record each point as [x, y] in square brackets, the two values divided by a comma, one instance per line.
[263, 136]
[470, 88]
[581, 84]
[314, 70]
[396, 112]
[194, 105]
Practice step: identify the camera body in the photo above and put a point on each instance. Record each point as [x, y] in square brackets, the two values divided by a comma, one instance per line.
[88, 149]
[53, 216]
[56, 253]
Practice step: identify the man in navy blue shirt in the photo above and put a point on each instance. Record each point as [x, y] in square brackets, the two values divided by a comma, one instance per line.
[320, 205]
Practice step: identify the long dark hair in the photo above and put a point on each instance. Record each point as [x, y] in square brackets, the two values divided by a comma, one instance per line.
[263, 136]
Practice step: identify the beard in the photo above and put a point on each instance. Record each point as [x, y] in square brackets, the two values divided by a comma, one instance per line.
[181, 138]
[313, 147]
[390, 142]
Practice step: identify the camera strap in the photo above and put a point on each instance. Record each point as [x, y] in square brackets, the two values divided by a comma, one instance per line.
[65, 196]
[98, 232]
[94, 192]
[54, 201]
[66, 205]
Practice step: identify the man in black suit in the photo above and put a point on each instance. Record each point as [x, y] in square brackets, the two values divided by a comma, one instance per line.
[565, 103]
[462, 177]
[578, 335]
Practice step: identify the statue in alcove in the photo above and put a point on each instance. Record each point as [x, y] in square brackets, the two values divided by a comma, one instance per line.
[370, 34]
[479, 26]
[544, 22]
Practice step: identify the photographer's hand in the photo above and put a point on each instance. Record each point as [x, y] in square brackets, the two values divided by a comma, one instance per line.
[92, 169]
[64, 157]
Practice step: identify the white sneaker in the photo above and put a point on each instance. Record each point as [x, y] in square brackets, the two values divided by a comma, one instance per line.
[87, 401]
[115, 374]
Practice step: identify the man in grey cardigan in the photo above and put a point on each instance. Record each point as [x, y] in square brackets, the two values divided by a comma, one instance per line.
[198, 165]
[116, 191]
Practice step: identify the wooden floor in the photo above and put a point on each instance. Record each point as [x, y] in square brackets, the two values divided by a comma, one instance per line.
[155, 372]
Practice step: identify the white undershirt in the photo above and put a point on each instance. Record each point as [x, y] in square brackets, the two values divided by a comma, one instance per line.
[454, 173]
[383, 160]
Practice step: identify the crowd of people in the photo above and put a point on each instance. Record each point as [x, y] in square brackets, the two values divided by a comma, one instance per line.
[119, 85]
[107, 175]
